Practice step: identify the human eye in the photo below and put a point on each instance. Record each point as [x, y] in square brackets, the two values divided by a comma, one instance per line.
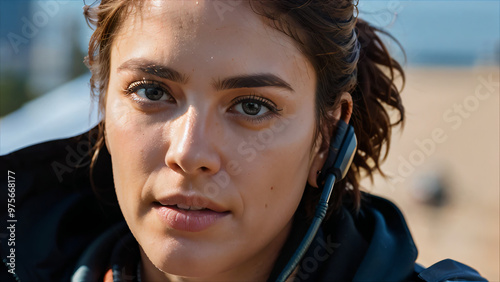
[254, 108]
[149, 91]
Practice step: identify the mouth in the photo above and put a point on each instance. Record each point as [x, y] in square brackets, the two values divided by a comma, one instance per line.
[187, 207]
[189, 214]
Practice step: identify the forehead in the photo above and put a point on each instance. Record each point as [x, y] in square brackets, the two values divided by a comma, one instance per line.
[191, 15]
[182, 22]
[204, 31]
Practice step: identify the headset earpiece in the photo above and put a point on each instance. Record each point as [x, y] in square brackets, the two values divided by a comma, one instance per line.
[340, 154]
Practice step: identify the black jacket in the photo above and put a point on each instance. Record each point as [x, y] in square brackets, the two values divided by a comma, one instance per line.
[57, 228]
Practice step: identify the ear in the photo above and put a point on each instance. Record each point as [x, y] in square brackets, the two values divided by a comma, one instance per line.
[321, 145]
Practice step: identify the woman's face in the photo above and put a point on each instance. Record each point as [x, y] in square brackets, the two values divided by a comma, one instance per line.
[210, 123]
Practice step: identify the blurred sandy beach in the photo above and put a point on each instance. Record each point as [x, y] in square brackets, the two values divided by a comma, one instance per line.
[451, 135]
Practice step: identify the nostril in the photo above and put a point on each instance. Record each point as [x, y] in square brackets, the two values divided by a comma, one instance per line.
[180, 169]
[175, 167]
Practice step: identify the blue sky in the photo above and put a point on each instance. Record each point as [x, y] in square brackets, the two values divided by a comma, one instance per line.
[448, 32]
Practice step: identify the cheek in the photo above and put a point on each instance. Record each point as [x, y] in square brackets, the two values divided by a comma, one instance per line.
[276, 177]
[118, 123]
[129, 138]
[131, 135]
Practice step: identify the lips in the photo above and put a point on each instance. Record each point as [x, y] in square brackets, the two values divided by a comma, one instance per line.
[192, 201]
[189, 213]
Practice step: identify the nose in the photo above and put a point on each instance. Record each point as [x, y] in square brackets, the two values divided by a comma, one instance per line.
[192, 149]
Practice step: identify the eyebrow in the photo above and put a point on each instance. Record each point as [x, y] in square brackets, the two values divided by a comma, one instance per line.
[251, 81]
[240, 81]
[152, 68]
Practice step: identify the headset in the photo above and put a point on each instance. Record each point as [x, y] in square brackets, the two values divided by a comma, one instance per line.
[340, 155]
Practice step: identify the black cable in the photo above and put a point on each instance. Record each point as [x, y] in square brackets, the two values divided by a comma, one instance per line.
[320, 214]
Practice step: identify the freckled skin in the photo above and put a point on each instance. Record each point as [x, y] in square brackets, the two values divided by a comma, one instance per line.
[183, 146]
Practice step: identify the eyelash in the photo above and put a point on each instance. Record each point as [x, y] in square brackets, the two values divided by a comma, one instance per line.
[141, 84]
[253, 98]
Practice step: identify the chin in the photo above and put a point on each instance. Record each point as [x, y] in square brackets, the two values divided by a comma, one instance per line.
[187, 262]
[189, 266]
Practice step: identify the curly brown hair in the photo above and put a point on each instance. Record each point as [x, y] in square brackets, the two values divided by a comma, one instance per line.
[346, 52]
